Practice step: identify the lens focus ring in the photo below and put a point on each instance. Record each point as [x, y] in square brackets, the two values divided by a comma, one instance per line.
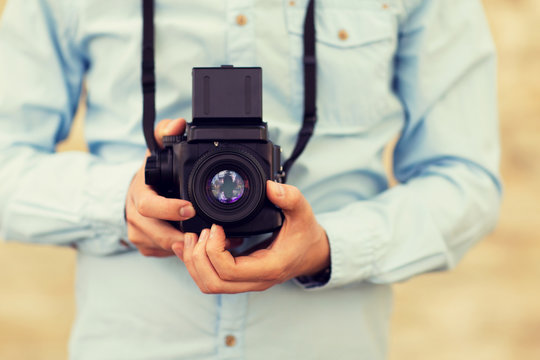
[227, 186]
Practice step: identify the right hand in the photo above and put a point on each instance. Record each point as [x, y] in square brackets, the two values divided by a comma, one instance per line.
[146, 210]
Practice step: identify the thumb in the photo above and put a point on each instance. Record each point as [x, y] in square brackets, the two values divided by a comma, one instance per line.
[287, 197]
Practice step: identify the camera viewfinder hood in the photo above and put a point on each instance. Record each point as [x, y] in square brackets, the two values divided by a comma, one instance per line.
[231, 94]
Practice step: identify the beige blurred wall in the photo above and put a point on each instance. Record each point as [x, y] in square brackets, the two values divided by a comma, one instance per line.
[488, 308]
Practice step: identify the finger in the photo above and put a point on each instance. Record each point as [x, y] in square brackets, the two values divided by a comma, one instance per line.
[148, 203]
[208, 279]
[216, 250]
[262, 265]
[159, 130]
[154, 252]
[144, 244]
[189, 245]
[178, 249]
[136, 237]
[169, 127]
[288, 198]
[175, 127]
[206, 274]
[159, 232]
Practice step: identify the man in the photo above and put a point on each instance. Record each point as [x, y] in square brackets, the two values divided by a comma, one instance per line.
[421, 69]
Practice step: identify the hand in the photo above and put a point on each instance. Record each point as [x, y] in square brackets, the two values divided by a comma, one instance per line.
[146, 210]
[300, 248]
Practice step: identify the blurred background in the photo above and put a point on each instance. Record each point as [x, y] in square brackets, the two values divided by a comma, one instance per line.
[487, 308]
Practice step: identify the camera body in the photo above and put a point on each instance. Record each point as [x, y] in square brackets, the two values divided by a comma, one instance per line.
[222, 162]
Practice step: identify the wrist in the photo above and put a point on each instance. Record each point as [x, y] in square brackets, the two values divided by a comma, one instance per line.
[321, 256]
[319, 274]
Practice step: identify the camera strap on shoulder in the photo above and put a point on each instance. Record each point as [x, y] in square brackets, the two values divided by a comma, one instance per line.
[148, 82]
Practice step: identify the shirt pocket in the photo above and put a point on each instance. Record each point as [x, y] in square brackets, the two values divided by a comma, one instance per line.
[356, 43]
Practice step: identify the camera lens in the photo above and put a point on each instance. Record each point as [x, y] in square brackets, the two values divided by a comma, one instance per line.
[227, 186]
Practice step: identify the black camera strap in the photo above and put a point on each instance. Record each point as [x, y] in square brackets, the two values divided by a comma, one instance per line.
[148, 77]
[310, 89]
[310, 82]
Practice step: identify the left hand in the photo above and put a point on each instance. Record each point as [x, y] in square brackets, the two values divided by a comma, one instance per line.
[300, 248]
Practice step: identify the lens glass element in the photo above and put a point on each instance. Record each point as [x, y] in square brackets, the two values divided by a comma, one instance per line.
[227, 186]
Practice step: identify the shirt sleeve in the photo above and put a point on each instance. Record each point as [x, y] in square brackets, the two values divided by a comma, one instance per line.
[446, 160]
[71, 198]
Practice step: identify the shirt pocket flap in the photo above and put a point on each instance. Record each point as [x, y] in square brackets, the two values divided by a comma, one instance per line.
[344, 28]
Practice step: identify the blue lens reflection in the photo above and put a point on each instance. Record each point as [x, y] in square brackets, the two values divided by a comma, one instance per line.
[227, 186]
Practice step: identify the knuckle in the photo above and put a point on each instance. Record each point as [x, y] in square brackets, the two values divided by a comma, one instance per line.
[294, 196]
[195, 256]
[188, 260]
[163, 241]
[198, 255]
[204, 290]
[272, 275]
[279, 274]
[131, 219]
[142, 205]
[280, 279]
[212, 250]
[129, 211]
[146, 252]
[225, 274]
[213, 288]
[214, 256]
[137, 241]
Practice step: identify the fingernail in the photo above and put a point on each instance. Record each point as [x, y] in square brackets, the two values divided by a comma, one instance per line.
[213, 230]
[188, 240]
[204, 235]
[187, 211]
[278, 189]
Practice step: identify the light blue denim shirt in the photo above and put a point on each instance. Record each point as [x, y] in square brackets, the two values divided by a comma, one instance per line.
[424, 70]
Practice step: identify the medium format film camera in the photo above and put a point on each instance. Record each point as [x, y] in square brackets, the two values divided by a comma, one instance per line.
[222, 162]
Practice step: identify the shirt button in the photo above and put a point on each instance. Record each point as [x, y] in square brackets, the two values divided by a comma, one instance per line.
[241, 20]
[230, 340]
[292, 3]
[343, 34]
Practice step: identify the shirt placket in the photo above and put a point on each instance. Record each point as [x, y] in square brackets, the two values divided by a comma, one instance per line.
[231, 326]
[240, 49]
[241, 33]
